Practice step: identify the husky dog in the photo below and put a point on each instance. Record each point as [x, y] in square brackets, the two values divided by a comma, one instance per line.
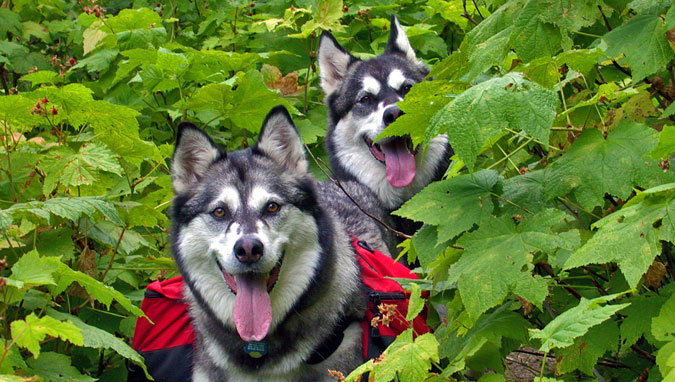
[271, 277]
[361, 98]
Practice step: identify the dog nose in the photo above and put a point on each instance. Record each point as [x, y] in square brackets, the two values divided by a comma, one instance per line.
[248, 249]
[390, 115]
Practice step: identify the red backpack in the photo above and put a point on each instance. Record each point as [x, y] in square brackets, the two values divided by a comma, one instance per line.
[167, 345]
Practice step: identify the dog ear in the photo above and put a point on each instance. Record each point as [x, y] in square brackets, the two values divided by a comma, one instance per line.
[398, 41]
[280, 140]
[193, 154]
[334, 61]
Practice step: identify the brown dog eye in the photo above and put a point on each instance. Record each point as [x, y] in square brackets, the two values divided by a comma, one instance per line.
[365, 99]
[218, 212]
[272, 207]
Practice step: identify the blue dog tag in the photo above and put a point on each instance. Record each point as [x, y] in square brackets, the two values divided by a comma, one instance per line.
[256, 349]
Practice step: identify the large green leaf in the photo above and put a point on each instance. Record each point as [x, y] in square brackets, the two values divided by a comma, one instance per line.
[629, 237]
[595, 166]
[455, 204]
[56, 367]
[499, 244]
[484, 111]
[642, 39]
[407, 359]
[33, 270]
[94, 337]
[532, 35]
[575, 322]
[30, 332]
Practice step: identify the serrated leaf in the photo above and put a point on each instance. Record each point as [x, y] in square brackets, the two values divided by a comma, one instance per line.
[455, 204]
[15, 113]
[10, 22]
[628, 236]
[252, 100]
[42, 77]
[33, 270]
[665, 360]
[487, 109]
[500, 244]
[666, 145]
[67, 208]
[131, 19]
[642, 39]
[56, 367]
[420, 104]
[642, 309]
[416, 303]
[94, 337]
[575, 322]
[663, 325]
[100, 292]
[407, 359]
[532, 36]
[594, 166]
[30, 332]
[586, 350]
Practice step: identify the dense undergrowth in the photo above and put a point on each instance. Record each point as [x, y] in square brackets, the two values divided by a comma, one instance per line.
[554, 228]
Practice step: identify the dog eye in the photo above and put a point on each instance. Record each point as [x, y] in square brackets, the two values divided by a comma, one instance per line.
[365, 99]
[218, 212]
[272, 207]
[406, 88]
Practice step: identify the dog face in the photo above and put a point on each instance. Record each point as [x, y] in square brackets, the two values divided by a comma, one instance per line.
[241, 220]
[361, 97]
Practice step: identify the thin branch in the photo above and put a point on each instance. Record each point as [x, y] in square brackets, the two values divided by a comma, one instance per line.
[478, 10]
[466, 14]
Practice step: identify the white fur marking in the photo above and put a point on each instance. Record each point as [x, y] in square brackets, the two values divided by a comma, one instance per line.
[371, 85]
[229, 196]
[395, 79]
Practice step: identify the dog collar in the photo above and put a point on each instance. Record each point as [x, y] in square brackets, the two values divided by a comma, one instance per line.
[256, 349]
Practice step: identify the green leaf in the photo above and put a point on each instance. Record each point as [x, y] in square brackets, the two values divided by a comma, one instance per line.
[643, 308]
[666, 145]
[251, 102]
[663, 325]
[454, 204]
[42, 77]
[29, 333]
[416, 303]
[55, 367]
[484, 111]
[15, 113]
[628, 236]
[423, 101]
[76, 169]
[10, 22]
[94, 337]
[575, 322]
[132, 19]
[665, 360]
[67, 208]
[594, 166]
[586, 350]
[100, 292]
[642, 39]
[532, 36]
[500, 244]
[33, 270]
[406, 359]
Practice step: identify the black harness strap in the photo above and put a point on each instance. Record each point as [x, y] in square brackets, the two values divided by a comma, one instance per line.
[330, 344]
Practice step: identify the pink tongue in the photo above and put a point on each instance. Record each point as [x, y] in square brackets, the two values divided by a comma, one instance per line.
[252, 307]
[400, 163]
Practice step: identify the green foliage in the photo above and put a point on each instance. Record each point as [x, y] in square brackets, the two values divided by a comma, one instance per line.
[556, 216]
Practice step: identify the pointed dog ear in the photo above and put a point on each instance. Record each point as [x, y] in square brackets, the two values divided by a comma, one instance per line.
[280, 140]
[334, 61]
[398, 41]
[192, 156]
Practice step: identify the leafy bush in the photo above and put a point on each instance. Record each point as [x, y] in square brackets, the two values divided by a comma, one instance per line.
[552, 229]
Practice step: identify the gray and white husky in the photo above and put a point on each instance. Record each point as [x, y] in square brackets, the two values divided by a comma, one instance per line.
[361, 98]
[271, 276]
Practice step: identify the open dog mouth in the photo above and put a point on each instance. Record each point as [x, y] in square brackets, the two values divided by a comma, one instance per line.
[252, 312]
[398, 156]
